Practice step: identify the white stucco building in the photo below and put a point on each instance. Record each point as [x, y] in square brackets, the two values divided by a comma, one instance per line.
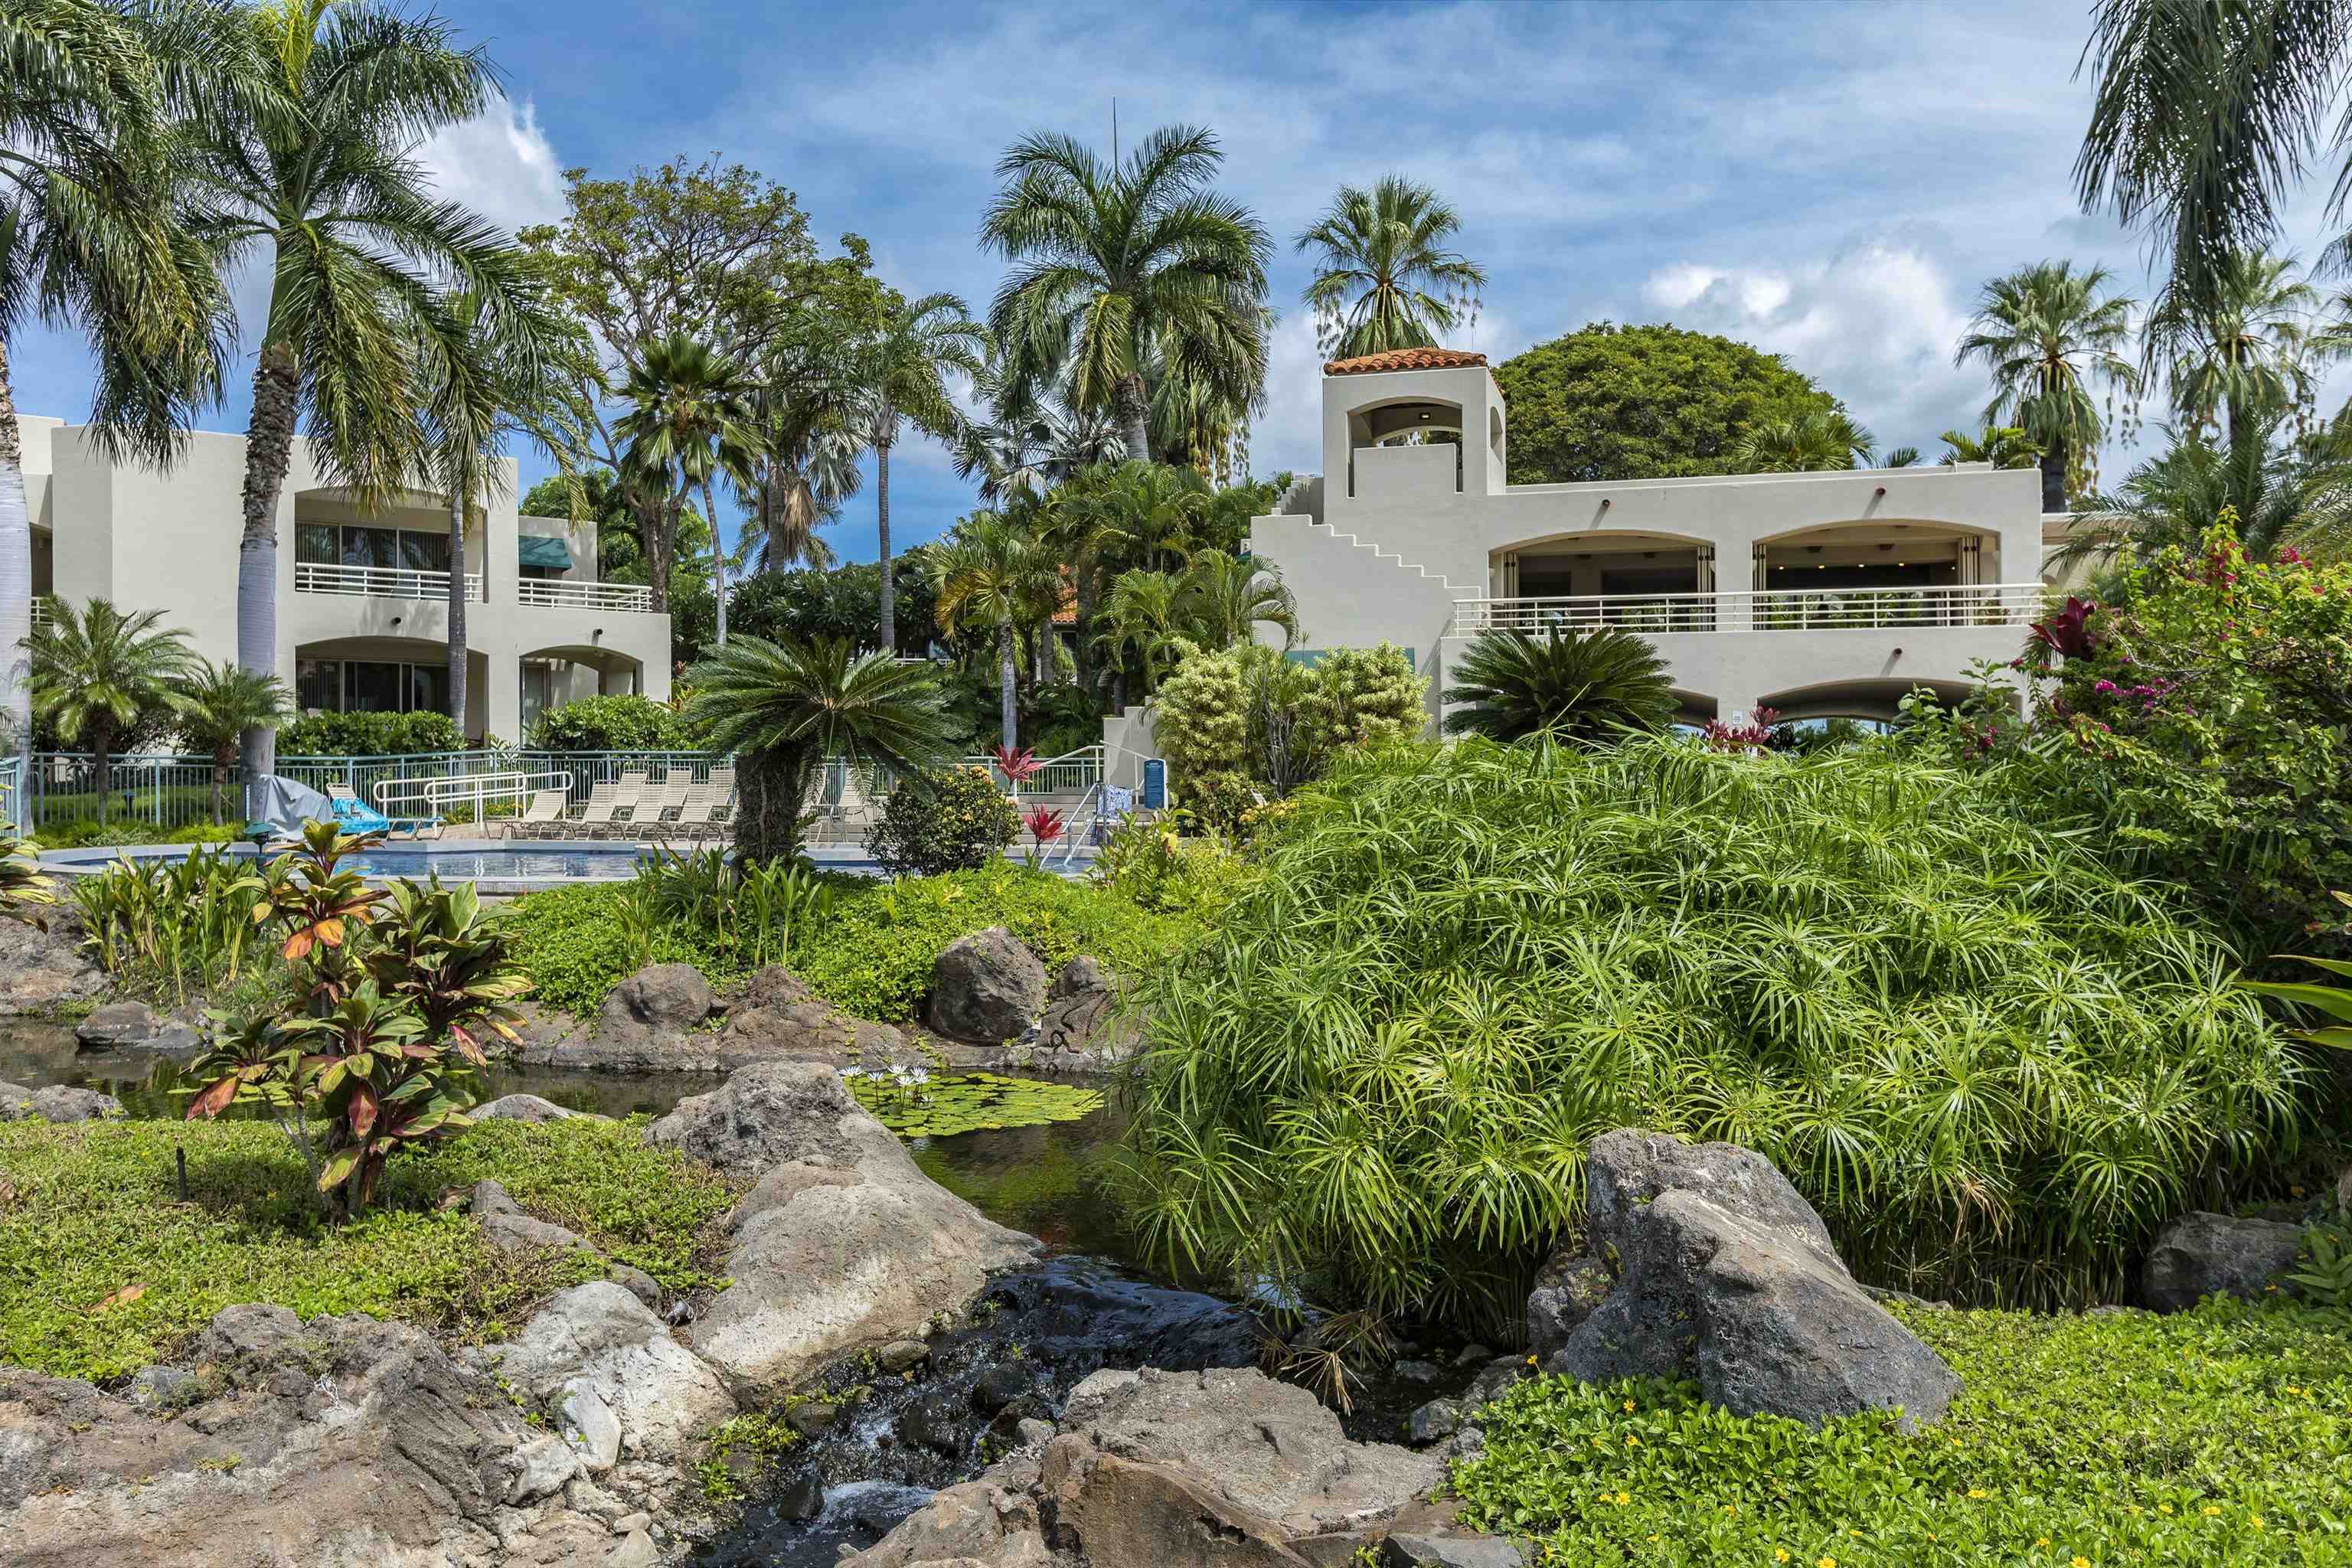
[363, 597]
[1817, 595]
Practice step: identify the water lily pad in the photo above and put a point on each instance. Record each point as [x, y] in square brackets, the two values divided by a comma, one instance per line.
[945, 1105]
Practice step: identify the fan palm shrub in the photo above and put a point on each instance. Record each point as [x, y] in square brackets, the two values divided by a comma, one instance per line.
[223, 702]
[1816, 442]
[1571, 685]
[1991, 1062]
[97, 670]
[785, 707]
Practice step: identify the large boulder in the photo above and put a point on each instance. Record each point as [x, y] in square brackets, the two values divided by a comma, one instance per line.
[841, 1243]
[2201, 1254]
[1084, 1028]
[1567, 1289]
[986, 987]
[133, 1025]
[778, 1016]
[600, 1357]
[1726, 1277]
[58, 1102]
[43, 967]
[529, 1108]
[653, 1021]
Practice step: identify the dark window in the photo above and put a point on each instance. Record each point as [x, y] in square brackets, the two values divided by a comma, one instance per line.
[374, 688]
[423, 551]
[428, 688]
[319, 683]
[315, 543]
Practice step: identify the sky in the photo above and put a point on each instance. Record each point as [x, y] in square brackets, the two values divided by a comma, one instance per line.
[1829, 182]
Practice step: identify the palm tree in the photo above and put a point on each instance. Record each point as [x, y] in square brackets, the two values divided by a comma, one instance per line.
[2049, 334]
[2002, 446]
[1117, 264]
[1031, 440]
[2247, 349]
[313, 178]
[96, 670]
[992, 573]
[1225, 599]
[1149, 512]
[2275, 491]
[92, 235]
[784, 707]
[901, 377]
[223, 702]
[689, 419]
[1384, 279]
[1590, 686]
[804, 457]
[1144, 614]
[1824, 440]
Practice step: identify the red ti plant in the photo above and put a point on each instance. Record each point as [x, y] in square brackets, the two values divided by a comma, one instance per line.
[1019, 766]
[1751, 734]
[2068, 633]
[1044, 824]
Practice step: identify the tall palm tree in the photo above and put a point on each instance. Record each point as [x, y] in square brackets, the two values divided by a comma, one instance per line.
[2277, 493]
[2002, 446]
[1225, 599]
[1384, 279]
[1143, 615]
[690, 420]
[2246, 349]
[222, 703]
[993, 575]
[1117, 263]
[2049, 334]
[1824, 440]
[1590, 686]
[1032, 440]
[315, 178]
[784, 707]
[804, 456]
[92, 235]
[97, 670]
[902, 374]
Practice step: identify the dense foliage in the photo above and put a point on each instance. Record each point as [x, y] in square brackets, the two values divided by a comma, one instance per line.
[953, 819]
[1594, 684]
[1993, 1064]
[370, 735]
[2213, 1436]
[845, 602]
[1641, 402]
[622, 723]
[103, 1268]
[1247, 720]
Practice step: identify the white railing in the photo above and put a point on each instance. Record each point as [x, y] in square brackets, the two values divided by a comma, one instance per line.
[1073, 772]
[381, 581]
[476, 793]
[562, 595]
[1779, 610]
[45, 609]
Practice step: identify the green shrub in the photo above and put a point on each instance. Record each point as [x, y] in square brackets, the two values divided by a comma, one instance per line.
[94, 1213]
[370, 735]
[1993, 1065]
[611, 724]
[2215, 1436]
[1164, 872]
[1250, 722]
[576, 944]
[957, 819]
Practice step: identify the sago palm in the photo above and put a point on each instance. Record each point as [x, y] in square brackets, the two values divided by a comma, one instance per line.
[901, 375]
[1806, 443]
[1588, 686]
[785, 707]
[93, 237]
[97, 670]
[2050, 334]
[2245, 351]
[1384, 276]
[223, 702]
[2002, 446]
[689, 419]
[1224, 599]
[315, 182]
[992, 575]
[1115, 264]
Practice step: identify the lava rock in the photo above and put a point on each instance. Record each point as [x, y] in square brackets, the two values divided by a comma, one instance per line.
[987, 988]
[528, 1108]
[47, 966]
[1419, 1370]
[1494, 1380]
[812, 1417]
[1439, 1418]
[802, 1497]
[133, 1025]
[58, 1102]
[1000, 1385]
[2201, 1254]
[902, 1356]
[1451, 1551]
[1568, 1288]
[936, 1422]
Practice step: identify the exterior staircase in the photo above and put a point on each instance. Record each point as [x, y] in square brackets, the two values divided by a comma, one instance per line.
[1453, 589]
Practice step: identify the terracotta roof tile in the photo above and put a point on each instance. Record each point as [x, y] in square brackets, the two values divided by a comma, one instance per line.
[1403, 359]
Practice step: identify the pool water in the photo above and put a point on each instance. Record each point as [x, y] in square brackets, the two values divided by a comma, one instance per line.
[522, 865]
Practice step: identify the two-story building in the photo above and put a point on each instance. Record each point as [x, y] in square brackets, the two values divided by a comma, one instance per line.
[1817, 595]
[362, 595]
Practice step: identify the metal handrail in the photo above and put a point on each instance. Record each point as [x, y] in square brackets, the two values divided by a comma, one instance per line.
[1078, 770]
[563, 593]
[1777, 609]
[381, 582]
[402, 796]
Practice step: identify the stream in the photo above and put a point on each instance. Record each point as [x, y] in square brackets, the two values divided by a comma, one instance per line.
[1088, 1303]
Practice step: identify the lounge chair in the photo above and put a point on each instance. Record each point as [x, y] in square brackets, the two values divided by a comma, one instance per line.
[693, 816]
[357, 816]
[604, 800]
[545, 810]
[629, 796]
[668, 796]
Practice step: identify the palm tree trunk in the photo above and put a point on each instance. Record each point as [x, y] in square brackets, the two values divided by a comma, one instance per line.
[1132, 407]
[16, 587]
[770, 791]
[457, 496]
[1006, 674]
[221, 760]
[657, 528]
[882, 526]
[1082, 653]
[2054, 476]
[718, 558]
[269, 449]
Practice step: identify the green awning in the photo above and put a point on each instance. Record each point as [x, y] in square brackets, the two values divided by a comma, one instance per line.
[544, 550]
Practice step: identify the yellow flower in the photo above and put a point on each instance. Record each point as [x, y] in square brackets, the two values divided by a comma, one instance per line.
[2044, 1541]
[2081, 1562]
[1629, 1405]
[1631, 1441]
[1624, 1497]
[1781, 1555]
[1826, 1563]
[2164, 1508]
[1979, 1493]
[2255, 1520]
[2213, 1512]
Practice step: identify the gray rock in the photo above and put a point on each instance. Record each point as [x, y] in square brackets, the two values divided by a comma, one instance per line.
[1472, 1355]
[629, 1521]
[1727, 1278]
[812, 1417]
[801, 1498]
[636, 1282]
[2201, 1254]
[636, 1549]
[986, 987]
[1078, 977]
[1437, 1419]
[780, 1017]
[133, 1025]
[521, 1233]
[250, 1329]
[45, 967]
[1000, 1385]
[1451, 1551]
[1568, 1288]
[1494, 1380]
[652, 1022]
[538, 1468]
[988, 1523]
[935, 1422]
[528, 1108]
[596, 1346]
[841, 1243]
[901, 1356]
[1419, 1370]
[590, 1427]
[160, 1387]
[489, 1197]
[1033, 1432]
[58, 1102]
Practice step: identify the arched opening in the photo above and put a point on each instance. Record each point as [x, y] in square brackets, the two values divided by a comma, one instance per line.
[387, 675]
[1876, 702]
[554, 676]
[1653, 582]
[1877, 555]
[1388, 448]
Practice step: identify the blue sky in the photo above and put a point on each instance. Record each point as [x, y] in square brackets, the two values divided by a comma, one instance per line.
[1831, 182]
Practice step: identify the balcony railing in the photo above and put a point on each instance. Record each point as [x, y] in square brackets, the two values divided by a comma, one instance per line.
[45, 609]
[562, 595]
[381, 582]
[1780, 610]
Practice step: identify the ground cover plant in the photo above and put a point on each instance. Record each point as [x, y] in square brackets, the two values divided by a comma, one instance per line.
[1993, 1063]
[2219, 1435]
[104, 1268]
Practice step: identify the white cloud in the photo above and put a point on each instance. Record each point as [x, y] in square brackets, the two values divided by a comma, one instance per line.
[499, 164]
